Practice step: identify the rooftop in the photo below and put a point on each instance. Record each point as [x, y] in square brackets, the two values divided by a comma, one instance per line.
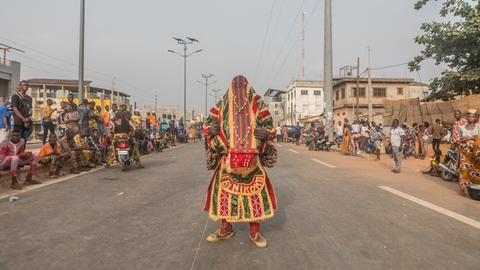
[58, 83]
[410, 81]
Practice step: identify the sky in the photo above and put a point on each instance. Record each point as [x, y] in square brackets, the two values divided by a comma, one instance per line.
[129, 40]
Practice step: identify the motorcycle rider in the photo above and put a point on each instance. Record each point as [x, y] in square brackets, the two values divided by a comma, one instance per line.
[122, 127]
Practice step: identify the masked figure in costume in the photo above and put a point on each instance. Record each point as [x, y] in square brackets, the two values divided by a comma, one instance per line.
[239, 131]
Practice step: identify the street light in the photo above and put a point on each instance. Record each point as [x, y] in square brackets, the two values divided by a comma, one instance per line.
[206, 77]
[184, 56]
[81, 51]
[215, 95]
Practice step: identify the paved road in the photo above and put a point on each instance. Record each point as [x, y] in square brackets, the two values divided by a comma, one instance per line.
[332, 215]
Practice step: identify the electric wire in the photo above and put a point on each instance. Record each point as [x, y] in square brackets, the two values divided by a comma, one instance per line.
[265, 38]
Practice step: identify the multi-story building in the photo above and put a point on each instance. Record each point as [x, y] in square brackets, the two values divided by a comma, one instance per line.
[273, 98]
[351, 103]
[303, 100]
[9, 77]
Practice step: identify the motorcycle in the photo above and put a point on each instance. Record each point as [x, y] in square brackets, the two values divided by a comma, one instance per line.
[124, 152]
[449, 166]
[320, 143]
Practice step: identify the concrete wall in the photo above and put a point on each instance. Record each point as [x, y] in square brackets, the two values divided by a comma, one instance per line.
[9, 77]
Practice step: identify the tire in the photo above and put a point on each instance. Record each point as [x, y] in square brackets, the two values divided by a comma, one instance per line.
[447, 176]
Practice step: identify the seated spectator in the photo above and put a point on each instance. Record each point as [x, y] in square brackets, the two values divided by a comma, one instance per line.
[13, 155]
[51, 155]
[69, 148]
[107, 146]
[87, 151]
[94, 141]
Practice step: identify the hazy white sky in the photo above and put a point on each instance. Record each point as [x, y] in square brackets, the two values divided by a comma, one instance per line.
[129, 39]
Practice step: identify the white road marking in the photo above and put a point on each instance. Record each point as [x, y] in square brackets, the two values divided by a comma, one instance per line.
[323, 163]
[293, 151]
[431, 206]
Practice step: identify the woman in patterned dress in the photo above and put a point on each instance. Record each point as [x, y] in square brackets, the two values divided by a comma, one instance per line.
[469, 152]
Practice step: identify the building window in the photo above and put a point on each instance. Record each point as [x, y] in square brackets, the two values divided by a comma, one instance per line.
[337, 95]
[379, 92]
[357, 93]
[400, 91]
[304, 92]
[343, 93]
[317, 92]
[276, 112]
[276, 106]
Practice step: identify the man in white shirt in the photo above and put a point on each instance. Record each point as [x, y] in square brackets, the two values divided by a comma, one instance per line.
[339, 133]
[279, 133]
[356, 136]
[397, 136]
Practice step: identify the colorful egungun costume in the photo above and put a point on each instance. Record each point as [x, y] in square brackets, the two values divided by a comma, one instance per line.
[240, 190]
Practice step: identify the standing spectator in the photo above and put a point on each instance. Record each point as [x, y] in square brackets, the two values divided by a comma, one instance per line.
[51, 155]
[106, 119]
[426, 137]
[70, 100]
[4, 123]
[356, 129]
[347, 138]
[459, 121]
[298, 133]
[279, 133]
[397, 137]
[22, 111]
[339, 131]
[377, 136]
[285, 134]
[84, 112]
[47, 121]
[72, 118]
[437, 132]
[12, 155]
[113, 112]
[100, 120]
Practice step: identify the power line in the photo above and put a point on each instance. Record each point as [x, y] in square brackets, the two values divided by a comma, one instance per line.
[295, 43]
[289, 33]
[109, 76]
[265, 38]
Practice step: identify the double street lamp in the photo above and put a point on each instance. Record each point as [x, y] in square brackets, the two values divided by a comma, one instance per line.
[206, 83]
[185, 42]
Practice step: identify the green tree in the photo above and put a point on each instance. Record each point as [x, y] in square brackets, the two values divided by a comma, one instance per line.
[455, 43]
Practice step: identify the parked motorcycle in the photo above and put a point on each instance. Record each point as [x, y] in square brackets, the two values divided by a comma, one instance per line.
[124, 152]
[320, 143]
[450, 171]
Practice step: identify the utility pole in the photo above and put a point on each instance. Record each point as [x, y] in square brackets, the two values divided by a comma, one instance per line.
[358, 88]
[81, 51]
[328, 69]
[112, 96]
[215, 91]
[156, 105]
[6, 49]
[184, 43]
[370, 107]
[303, 45]
[206, 77]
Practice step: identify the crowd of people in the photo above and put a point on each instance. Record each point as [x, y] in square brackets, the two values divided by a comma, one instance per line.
[80, 136]
[403, 142]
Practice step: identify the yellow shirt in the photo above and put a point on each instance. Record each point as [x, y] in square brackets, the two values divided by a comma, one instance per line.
[136, 119]
[47, 113]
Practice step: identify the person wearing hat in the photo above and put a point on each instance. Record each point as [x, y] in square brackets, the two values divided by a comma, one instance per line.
[469, 146]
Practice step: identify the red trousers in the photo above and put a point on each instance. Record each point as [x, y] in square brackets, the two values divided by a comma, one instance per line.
[254, 226]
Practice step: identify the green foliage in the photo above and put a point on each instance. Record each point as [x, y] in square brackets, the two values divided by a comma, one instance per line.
[454, 43]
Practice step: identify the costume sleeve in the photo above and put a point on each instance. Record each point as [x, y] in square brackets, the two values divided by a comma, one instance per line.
[264, 118]
[216, 143]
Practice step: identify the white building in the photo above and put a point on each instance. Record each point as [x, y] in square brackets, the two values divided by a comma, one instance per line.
[273, 98]
[303, 99]
[9, 77]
